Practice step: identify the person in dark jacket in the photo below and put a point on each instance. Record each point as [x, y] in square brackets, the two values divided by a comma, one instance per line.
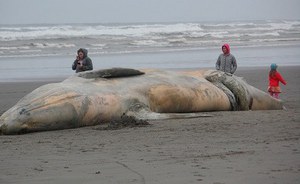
[82, 62]
[226, 62]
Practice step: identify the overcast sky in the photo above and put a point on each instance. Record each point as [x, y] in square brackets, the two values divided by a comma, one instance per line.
[131, 11]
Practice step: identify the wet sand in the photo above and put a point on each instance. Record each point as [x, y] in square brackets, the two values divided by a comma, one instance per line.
[230, 147]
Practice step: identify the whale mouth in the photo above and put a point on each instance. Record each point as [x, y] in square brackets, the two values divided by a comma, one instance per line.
[5, 130]
[3, 127]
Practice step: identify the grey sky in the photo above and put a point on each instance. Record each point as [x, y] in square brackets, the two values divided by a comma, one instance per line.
[125, 11]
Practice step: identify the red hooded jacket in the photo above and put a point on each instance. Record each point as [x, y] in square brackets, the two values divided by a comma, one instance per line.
[274, 80]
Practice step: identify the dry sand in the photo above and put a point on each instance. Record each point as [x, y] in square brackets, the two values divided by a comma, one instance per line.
[231, 147]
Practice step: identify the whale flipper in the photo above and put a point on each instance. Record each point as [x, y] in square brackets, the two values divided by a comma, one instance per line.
[142, 112]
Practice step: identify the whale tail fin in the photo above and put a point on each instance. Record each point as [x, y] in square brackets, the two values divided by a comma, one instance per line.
[110, 73]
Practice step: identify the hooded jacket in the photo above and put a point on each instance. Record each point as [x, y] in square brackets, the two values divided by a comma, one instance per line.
[226, 62]
[86, 62]
[275, 79]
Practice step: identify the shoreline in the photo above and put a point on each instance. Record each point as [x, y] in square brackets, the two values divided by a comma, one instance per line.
[230, 147]
[61, 78]
[42, 68]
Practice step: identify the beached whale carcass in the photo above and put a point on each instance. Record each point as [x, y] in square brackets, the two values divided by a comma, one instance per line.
[95, 97]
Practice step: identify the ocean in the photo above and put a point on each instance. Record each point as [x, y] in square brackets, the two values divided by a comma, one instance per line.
[45, 51]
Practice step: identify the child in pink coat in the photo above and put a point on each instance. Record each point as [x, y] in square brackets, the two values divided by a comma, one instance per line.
[274, 79]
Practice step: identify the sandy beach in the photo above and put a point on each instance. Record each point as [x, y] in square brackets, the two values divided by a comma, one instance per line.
[246, 147]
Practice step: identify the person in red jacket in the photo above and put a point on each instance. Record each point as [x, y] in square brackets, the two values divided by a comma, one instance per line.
[274, 79]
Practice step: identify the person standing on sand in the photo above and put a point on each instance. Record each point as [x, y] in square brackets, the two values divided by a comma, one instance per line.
[274, 79]
[82, 62]
[226, 62]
